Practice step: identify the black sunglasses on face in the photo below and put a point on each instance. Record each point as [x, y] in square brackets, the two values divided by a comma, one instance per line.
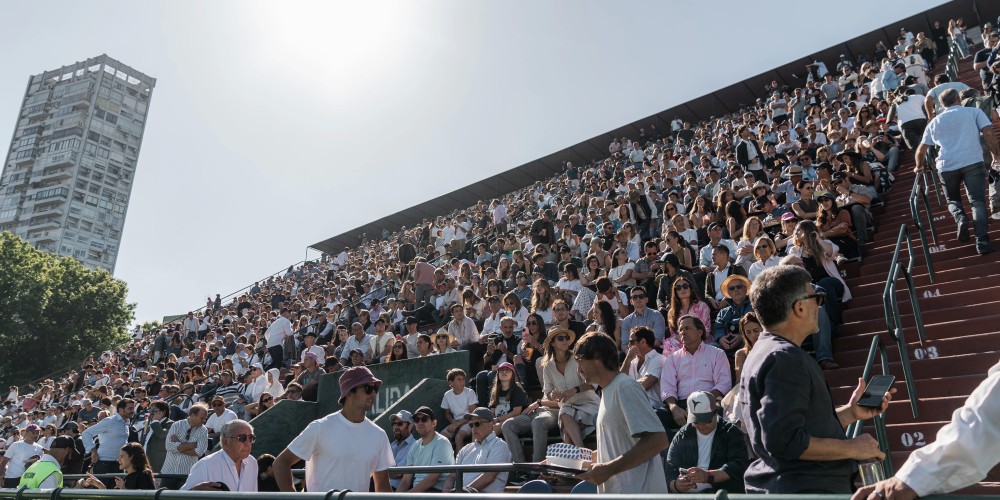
[420, 420]
[682, 286]
[562, 337]
[476, 424]
[636, 297]
[244, 437]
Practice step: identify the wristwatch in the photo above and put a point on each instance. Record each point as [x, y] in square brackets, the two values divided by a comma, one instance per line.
[711, 478]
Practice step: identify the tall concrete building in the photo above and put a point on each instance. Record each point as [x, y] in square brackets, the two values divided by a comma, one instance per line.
[68, 177]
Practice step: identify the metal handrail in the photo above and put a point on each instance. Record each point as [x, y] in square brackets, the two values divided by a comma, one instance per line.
[916, 195]
[893, 318]
[113, 494]
[854, 430]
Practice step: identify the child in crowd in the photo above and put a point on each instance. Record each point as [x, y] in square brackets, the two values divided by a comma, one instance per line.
[458, 403]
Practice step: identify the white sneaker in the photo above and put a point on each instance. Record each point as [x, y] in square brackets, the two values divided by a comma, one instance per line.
[995, 216]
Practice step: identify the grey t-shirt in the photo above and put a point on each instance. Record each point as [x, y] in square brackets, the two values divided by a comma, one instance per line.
[624, 416]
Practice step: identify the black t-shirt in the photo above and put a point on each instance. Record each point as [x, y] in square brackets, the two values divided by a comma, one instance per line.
[140, 480]
[507, 400]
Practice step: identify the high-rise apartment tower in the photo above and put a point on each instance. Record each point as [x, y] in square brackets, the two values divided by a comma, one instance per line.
[68, 176]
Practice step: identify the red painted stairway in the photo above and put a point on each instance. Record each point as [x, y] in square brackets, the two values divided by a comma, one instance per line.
[960, 310]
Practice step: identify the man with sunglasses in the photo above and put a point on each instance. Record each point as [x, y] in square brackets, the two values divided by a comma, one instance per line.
[219, 416]
[231, 468]
[788, 412]
[344, 450]
[642, 316]
[402, 435]
[431, 449]
[486, 448]
[726, 331]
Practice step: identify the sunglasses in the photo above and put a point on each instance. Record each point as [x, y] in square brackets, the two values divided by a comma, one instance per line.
[531, 323]
[420, 420]
[244, 437]
[294, 391]
[476, 424]
[636, 297]
[561, 338]
[369, 388]
[820, 298]
[215, 405]
[268, 400]
[682, 286]
[736, 287]
[398, 424]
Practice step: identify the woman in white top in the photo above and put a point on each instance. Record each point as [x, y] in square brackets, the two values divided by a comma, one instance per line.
[765, 252]
[515, 309]
[274, 387]
[569, 284]
[621, 273]
[752, 229]
[563, 388]
[541, 300]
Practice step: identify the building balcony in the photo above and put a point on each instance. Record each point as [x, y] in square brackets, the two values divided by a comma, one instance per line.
[48, 175]
[7, 217]
[50, 236]
[49, 211]
[45, 226]
[61, 159]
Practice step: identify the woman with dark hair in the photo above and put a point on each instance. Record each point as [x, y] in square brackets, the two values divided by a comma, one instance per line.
[398, 351]
[592, 270]
[750, 330]
[569, 284]
[834, 224]
[684, 301]
[736, 215]
[514, 308]
[507, 398]
[265, 401]
[605, 320]
[677, 245]
[138, 476]
[530, 348]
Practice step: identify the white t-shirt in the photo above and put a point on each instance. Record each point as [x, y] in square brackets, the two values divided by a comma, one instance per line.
[18, 453]
[652, 365]
[458, 404]
[215, 422]
[704, 455]
[340, 454]
[624, 416]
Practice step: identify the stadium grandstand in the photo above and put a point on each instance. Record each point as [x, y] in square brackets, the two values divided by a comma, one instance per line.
[661, 220]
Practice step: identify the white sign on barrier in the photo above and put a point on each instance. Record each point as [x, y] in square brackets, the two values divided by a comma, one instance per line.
[938, 248]
[930, 352]
[932, 293]
[913, 439]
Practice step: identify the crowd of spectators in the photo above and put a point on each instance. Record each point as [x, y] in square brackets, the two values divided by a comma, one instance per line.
[656, 246]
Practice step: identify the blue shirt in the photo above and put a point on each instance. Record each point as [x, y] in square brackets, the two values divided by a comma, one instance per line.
[112, 433]
[956, 132]
[649, 317]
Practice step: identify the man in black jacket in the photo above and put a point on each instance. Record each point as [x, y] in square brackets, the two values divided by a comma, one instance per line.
[710, 451]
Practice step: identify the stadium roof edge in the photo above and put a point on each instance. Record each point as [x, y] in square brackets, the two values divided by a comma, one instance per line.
[715, 103]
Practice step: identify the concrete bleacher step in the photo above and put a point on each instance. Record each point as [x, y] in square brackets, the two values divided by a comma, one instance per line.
[940, 367]
[863, 292]
[935, 387]
[949, 297]
[954, 328]
[929, 314]
[918, 353]
[980, 266]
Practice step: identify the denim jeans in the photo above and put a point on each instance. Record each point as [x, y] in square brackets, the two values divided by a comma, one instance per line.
[974, 178]
[823, 339]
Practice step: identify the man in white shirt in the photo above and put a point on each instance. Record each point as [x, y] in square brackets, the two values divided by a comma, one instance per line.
[275, 336]
[359, 340]
[643, 363]
[18, 454]
[344, 450]
[217, 418]
[485, 448]
[231, 466]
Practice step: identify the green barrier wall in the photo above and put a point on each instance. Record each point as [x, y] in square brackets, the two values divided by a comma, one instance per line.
[406, 384]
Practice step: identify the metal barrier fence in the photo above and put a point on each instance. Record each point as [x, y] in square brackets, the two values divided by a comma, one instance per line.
[66, 494]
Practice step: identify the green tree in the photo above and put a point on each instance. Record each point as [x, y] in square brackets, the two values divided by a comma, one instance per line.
[54, 312]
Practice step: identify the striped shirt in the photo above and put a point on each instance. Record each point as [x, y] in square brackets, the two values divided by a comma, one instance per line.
[177, 462]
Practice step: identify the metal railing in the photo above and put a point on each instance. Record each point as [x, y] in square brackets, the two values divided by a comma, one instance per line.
[66, 493]
[893, 318]
[919, 193]
[854, 430]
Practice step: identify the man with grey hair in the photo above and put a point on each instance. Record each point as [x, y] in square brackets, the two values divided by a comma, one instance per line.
[787, 407]
[955, 132]
[231, 468]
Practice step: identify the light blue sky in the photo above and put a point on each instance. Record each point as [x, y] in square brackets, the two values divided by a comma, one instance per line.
[275, 125]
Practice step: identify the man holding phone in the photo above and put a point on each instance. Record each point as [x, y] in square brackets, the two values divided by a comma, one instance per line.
[788, 413]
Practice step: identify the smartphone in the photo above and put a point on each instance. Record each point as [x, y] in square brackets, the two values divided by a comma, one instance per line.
[878, 387]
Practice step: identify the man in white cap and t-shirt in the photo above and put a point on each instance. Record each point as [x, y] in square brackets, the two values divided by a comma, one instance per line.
[344, 450]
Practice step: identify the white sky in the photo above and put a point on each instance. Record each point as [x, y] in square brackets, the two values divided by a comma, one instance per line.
[274, 125]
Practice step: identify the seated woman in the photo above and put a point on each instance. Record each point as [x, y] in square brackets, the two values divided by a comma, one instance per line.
[563, 388]
[834, 224]
[507, 398]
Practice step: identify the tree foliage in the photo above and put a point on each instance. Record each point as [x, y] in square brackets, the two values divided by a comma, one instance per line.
[54, 312]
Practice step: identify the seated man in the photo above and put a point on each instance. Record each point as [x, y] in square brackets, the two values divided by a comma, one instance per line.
[710, 451]
[722, 270]
[431, 449]
[726, 332]
[696, 367]
[643, 363]
[485, 448]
